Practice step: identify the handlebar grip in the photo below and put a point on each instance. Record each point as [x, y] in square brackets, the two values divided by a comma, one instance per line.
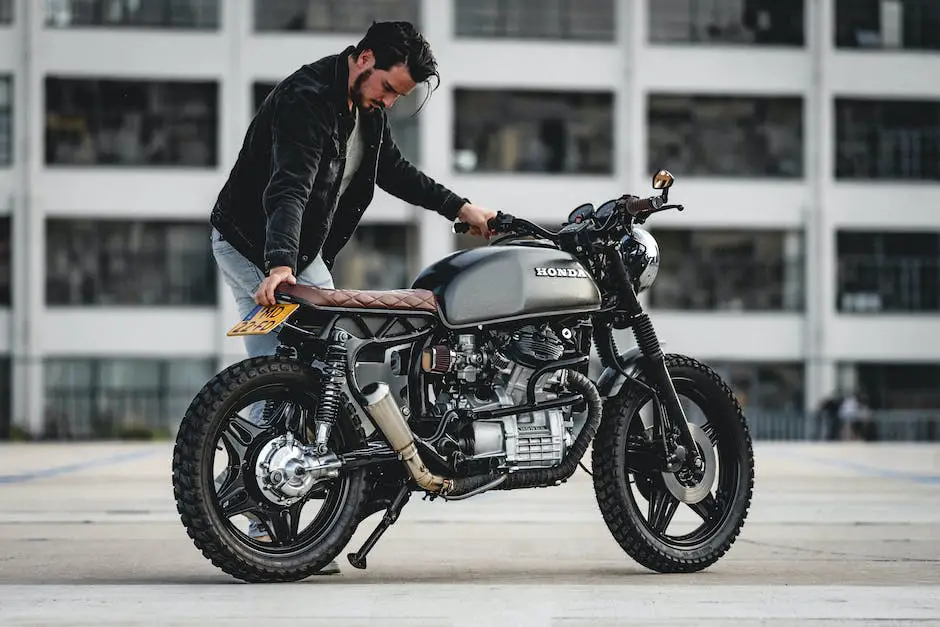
[502, 222]
[636, 206]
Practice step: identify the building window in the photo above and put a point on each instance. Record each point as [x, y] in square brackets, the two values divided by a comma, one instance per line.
[115, 398]
[729, 270]
[771, 395]
[332, 16]
[131, 123]
[892, 24]
[888, 272]
[6, 259]
[589, 20]
[6, 120]
[402, 118]
[887, 139]
[533, 131]
[6, 11]
[892, 401]
[6, 406]
[196, 14]
[765, 386]
[120, 263]
[761, 22]
[731, 136]
[895, 386]
[377, 257]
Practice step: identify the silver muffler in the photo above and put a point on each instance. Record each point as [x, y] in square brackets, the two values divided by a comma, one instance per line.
[388, 417]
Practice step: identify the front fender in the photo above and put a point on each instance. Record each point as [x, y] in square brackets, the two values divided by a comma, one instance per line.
[611, 380]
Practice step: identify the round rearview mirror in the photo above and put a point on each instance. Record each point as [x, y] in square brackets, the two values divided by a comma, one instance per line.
[663, 180]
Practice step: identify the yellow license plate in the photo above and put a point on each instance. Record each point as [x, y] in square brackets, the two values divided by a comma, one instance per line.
[262, 320]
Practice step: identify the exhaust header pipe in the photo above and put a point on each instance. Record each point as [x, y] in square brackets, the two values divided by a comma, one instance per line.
[383, 409]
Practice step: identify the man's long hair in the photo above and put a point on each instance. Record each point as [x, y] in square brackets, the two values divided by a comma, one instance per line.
[400, 42]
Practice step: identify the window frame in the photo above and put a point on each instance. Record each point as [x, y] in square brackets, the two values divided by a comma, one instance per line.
[91, 119]
[411, 14]
[8, 158]
[566, 9]
[698, 7]
[79, 411]
[166, 22]
[887, 281]
[698, 127]
[200, 280]
[791, 296]
[603, 137]
[841, 32]
[873, 113]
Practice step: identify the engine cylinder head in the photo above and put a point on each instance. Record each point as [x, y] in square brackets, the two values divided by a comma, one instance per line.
[533, 347]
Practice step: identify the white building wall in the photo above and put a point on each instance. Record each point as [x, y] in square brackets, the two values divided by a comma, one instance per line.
[629, 66]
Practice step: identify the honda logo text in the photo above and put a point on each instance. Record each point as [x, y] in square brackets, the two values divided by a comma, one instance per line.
[572, 273]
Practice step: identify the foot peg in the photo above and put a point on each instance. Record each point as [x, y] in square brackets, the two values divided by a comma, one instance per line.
[358, 559]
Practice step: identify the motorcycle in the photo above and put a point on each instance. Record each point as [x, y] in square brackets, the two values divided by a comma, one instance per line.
[486, 359]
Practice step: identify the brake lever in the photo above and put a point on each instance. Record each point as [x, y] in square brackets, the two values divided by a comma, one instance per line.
[642, 218]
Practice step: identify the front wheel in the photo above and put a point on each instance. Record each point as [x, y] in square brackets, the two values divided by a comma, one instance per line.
[662, 520]
[235, 473]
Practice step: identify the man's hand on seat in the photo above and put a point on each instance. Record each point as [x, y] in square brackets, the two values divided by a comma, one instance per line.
[276, 276]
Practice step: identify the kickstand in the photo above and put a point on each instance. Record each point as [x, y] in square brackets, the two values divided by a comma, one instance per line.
[358, 560]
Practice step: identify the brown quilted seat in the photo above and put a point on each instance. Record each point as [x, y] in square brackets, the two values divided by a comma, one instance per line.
[405, 300]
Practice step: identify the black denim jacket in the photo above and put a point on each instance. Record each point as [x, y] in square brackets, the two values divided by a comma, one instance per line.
[279, 206]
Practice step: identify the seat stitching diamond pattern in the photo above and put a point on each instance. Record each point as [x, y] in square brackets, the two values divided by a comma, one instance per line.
[367, 299]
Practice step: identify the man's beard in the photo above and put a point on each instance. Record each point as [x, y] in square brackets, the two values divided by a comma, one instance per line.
[356, 92]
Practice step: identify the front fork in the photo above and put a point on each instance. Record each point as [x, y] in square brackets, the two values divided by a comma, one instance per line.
[656, 371]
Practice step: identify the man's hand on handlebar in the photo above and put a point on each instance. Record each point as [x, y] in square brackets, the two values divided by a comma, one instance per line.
[474, 220]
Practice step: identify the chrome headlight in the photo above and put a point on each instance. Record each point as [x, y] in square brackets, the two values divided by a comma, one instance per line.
[640, 254]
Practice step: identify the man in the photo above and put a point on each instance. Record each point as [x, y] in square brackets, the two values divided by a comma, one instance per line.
[308, 167]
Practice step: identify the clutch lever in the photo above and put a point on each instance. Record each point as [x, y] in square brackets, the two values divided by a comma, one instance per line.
[502, 222]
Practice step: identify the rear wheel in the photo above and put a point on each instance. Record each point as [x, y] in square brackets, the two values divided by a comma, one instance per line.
[227, 451]
[662, 520]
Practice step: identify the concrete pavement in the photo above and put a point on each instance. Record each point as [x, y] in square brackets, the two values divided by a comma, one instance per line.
[840, 533]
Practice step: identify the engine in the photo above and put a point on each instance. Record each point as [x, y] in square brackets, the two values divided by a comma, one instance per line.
[495, 374]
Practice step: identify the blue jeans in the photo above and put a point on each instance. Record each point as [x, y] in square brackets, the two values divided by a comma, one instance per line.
[243, 278]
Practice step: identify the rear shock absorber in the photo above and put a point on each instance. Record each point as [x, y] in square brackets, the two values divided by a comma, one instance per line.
[334, 376]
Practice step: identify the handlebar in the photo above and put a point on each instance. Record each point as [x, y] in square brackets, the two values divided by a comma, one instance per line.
[507, 223]
[642, 208]
[637, 208]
